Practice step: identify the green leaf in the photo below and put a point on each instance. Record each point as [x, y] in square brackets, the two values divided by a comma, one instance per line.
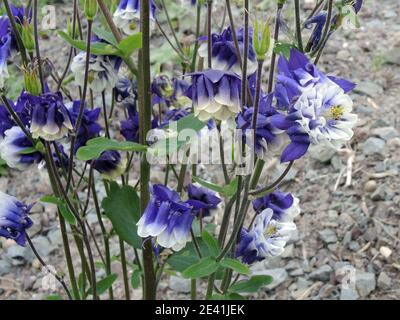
[104, 284]
[235, 265]
[130, 44]
[97, 48]
[135, 278]
[106, 35]
[64, 210]
[283, 48]
[252, 285]
[211, 243]
[227, 191]
[95, 147]
[28, 150]
[173, 141]
[123, 209]
[203, 268]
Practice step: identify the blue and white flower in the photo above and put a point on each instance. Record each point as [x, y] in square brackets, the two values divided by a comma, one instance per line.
[13, 150]
[50, 118]
[265, 239]
[318, 109]
[14, 220]
[127, 15]
[203, 201]
[103, 71]
[166, 218]
[110, 165]
[224, 54]
[215, 94]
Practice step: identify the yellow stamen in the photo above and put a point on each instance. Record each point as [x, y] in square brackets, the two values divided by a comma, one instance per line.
[336, 112]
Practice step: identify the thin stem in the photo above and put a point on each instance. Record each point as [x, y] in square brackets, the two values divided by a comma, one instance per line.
[124, 269]
[222, 155]
[325, 34]
[245, 52]
[58, 278]
[172, 27]
[298, 25]
[273, 55]
[144, 127]
[178, 52]
[103, 99]
[196, 45]
[193, 289]
[209, 36]
[36, 35]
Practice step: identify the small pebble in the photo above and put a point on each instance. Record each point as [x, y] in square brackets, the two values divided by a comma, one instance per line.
[370, 186]
[385, 251]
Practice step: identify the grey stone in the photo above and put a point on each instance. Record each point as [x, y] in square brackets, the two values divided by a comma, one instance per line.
[348, 294]
[37, 224]
[55, 237]
[323, 273]
[18, 255]
[296, 272]
[365, 283]
[393, 56]
[354, 246]
[385, 133]
[379, 193]
[279, 275]
[373, 146]
[328, 236]
[369, 88]
[303, 283]
[321, 153]
[384, 281]
[179, 284]
[42, 245]
[370, 186]
[5, 267]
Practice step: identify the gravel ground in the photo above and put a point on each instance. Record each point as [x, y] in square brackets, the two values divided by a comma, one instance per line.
[347, 245]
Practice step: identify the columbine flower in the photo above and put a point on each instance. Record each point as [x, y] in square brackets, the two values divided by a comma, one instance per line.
[224, 56]
[202, 200]
[12, 149]
[5, 48]
[319, 110]
[215, 94]
[89, 128]
[125, 88]
[267, 136]
[110, 164]
[284, 205]
[50, 117]
[14, 219]
[127, 15]
[103, 70]
[167, 218]
[20, 14]
[266, 238]
[169, 91]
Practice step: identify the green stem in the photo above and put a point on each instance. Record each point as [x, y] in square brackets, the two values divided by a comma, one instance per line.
[193, 289]
[209, 36]
[196, 44]
[36, 35]
[298, 25]
[124, 269]
[144, 127]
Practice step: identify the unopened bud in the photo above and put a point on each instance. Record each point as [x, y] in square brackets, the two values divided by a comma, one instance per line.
[27, 36]
[261, 39]
[91, 9]
[32, 82]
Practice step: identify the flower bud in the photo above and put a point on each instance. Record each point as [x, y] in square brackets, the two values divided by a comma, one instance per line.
[32, 82]
[27, 36]
[261, 39]
[91, 9]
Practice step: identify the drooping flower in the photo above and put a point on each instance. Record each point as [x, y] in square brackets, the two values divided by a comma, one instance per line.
[319, 21]
[266, 238]
[14, 220]
[170, 92]
[50, 118]
[319, 110]
[224, 54]
[20, 14]
[15, 147]
[103, 70]
[166, 218]
[89, 128]
[127, 15]
[110, 164]
[202, 200]
[5, 48]
[125, 88]
[267, 136]
[285, 206]
[215, 94]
